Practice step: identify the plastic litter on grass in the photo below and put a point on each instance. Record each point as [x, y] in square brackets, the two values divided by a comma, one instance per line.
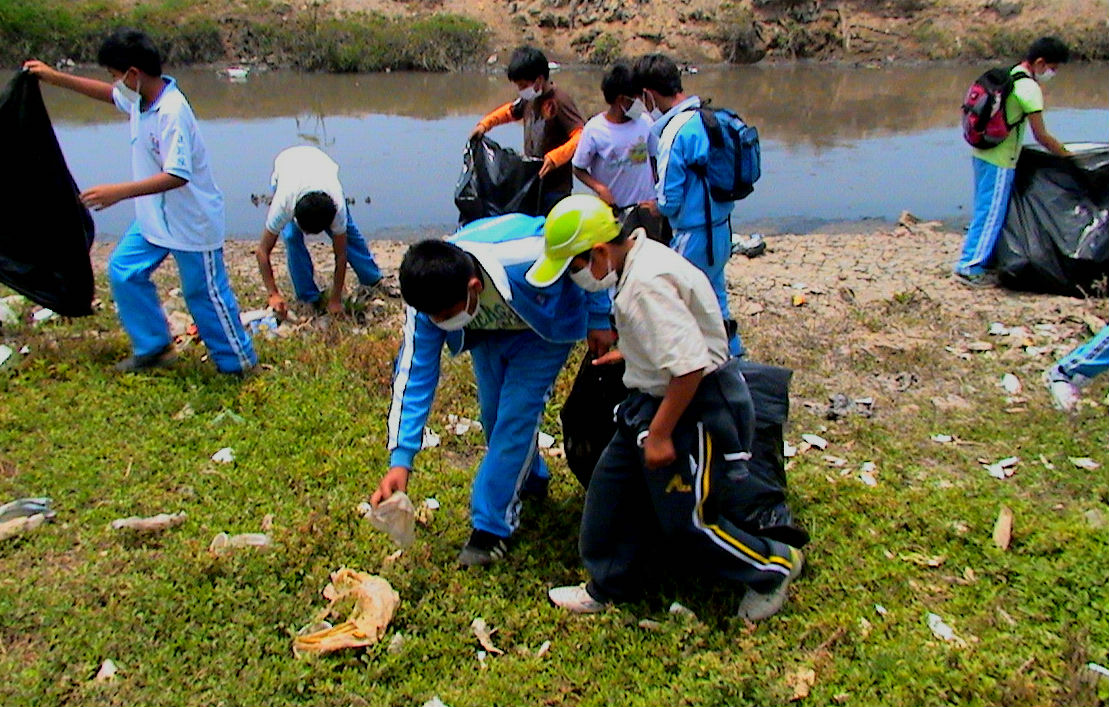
[372, 603]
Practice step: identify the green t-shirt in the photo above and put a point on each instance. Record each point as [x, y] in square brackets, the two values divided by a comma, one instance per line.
[1026, 98]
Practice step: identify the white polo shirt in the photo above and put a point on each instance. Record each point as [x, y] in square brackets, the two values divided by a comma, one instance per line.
[296, 172]
[667, 317]
[166, 138]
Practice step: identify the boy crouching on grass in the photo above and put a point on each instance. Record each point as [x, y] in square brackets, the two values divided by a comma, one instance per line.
[178, 209]
[658, 496]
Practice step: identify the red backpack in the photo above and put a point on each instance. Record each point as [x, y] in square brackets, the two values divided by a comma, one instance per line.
[984, 123]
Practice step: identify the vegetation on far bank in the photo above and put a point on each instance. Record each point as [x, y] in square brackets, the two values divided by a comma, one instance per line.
[446, 36]
[254, 31]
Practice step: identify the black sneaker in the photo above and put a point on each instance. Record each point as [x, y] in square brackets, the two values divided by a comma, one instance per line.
[981, 281]
[158, 359]
[482, 549]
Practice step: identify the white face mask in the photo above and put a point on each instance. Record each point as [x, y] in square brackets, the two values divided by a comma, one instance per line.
[635, 110]
[584, 279]
[529, 93]
[1045, 76]
[461, 319]
[656, 114]
[129, 95]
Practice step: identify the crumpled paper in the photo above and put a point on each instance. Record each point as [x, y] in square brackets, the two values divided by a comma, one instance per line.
[374, 602]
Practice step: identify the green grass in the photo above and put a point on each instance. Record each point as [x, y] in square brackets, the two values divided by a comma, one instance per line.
[186, 628]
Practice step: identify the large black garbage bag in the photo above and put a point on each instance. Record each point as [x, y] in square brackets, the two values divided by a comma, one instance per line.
[589, 415]
[1056, 233]
[47, 232]
[769, 516]
[496, 180]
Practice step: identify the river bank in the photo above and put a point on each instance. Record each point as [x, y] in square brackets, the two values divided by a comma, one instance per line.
[914, 593]
[378, 35]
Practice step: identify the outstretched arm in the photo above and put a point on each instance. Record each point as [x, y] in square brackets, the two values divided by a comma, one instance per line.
[104, 195]
[1039, 131]
[100, 90]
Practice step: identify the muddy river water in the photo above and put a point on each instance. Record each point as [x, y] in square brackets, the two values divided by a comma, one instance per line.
[840, 144]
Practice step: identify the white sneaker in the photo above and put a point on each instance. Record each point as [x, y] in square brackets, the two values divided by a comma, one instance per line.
[1064, 394]
[756, 607]
[575, 599]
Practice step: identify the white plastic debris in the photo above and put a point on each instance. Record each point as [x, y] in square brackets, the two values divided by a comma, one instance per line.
[868, 478]
[396, 644]
[942, 439]
[5, 354]
[882, 611]
[395, 516]
[42, 315]
[435, 702]
[224, 543]
[107, 671]
[677, 609]
[940, 629]
[461, 425]
[431, 504]
[1003, 468]
[162, 521]
[543, 649]
[815, 441]
[24, 350]
[1084, 463]
[788, 450]
[1099, 669]
[431, 439]
[998, 329]
[224, 456]
[545, 440]
[1011, 384]
[832, 460]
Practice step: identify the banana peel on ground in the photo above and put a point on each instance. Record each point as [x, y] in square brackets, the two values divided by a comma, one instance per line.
[373, 603]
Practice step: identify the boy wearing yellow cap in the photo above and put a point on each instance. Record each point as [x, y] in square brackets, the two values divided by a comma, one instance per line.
[666, 485]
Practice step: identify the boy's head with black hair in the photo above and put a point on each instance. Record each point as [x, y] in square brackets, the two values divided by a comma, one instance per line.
[1052, 50]
[658, 73]
[619, 81]
[528, 64]
[314, 212]
[436, 278]
[128, 48]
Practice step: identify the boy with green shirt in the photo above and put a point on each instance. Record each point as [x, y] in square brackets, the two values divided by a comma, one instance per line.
[994, 168]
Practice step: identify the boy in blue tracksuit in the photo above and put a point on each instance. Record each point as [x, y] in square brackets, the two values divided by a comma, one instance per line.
[178, 209]
[469, 292]
[682, 143]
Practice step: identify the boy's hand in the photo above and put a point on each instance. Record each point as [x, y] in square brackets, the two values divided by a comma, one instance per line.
[44, 72]
[103, 195]
[279, 306]
[605, 195]
[396, 479]
[548, 165]
[613, 356]
[658, 451]
[600, 341]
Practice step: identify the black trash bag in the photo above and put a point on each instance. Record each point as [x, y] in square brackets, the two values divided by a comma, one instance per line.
[1056, 233]
[657, 227]
[589, 415]
[44, 245]
[769, 387]
[496, 180]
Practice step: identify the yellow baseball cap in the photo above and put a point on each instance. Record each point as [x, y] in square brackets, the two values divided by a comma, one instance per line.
[574, 225]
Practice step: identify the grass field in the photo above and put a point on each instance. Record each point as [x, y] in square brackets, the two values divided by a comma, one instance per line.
[184, 627]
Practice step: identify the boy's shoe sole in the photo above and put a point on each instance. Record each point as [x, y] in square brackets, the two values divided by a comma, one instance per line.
[756, 607]
[575, 599]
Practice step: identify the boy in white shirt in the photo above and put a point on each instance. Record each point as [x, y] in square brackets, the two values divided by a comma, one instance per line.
[178, 209]
[308, 198]
[662, 496]
[614, 155]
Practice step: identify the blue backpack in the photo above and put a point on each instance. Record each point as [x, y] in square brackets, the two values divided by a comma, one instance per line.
[734, 162]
